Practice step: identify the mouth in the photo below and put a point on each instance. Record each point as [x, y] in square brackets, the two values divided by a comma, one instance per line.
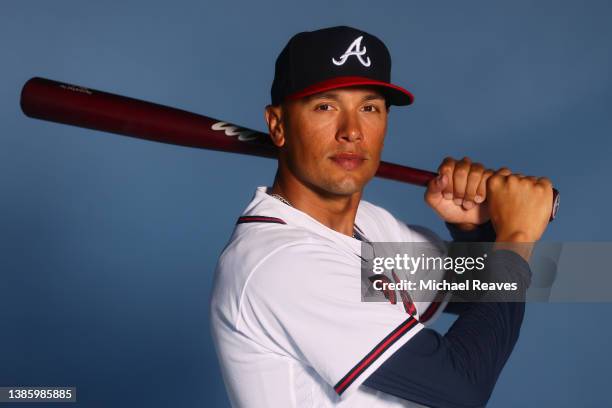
[348, 161]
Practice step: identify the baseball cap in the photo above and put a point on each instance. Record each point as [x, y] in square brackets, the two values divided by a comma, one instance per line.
[334, 57]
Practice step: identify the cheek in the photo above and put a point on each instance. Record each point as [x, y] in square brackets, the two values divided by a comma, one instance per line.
[314, 137]
[307, 148]
[376, 131]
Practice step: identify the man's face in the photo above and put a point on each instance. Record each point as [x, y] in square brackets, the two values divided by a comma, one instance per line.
[332, 141]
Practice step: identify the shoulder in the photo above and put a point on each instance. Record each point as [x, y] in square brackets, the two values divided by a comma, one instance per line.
[252, 244]
[265, 257]
[275, 249]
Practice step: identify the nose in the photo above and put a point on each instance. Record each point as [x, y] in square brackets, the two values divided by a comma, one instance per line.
[349, 129]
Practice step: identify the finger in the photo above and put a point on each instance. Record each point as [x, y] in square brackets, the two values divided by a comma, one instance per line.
[503, 171]
[513, 180]
[473, 180]
[447, 167]
[460, 175]
[545, 181]
[481, 191]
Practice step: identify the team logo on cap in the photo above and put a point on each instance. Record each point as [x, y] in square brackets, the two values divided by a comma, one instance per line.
[356, 50]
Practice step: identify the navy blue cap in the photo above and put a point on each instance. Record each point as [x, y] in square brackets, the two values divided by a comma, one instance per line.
[335, 57]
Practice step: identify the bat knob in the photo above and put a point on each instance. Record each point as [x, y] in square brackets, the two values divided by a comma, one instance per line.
[555, 206]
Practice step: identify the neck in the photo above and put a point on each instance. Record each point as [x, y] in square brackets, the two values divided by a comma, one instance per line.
[337, 212]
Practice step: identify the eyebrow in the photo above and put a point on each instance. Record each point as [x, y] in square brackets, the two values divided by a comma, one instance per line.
[334, 96]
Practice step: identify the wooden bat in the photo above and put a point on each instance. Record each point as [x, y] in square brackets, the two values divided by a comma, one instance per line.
[75, 105]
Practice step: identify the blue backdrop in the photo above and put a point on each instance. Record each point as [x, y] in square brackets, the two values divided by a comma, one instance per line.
[108, 243]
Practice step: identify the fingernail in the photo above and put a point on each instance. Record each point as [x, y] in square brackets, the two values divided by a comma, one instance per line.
[458, 201]
[448, 196]
[468, 204]
[478, 199]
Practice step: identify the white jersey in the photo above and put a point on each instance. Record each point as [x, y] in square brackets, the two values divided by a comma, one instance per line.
[286, 312]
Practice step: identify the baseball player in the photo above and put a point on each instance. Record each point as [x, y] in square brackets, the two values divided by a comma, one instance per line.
[288, 323]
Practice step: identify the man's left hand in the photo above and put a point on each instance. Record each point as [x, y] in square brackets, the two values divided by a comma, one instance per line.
[458, 195]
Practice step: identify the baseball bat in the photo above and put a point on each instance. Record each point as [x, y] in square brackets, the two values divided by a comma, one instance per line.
[79, 106]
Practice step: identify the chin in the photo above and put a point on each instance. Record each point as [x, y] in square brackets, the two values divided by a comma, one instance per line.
[347, 186]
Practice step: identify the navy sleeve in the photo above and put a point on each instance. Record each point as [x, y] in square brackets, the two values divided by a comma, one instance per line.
[482, 233]
[460, 368]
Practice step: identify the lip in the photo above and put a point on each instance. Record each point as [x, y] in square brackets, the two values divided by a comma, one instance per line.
[348, 161]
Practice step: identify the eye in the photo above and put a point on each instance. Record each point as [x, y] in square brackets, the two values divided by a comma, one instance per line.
[370, 108]
[324, 107]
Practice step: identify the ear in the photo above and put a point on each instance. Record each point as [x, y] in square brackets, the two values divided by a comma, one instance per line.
[276, 126]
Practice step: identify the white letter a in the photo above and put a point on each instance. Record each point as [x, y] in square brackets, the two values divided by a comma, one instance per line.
[354, 49]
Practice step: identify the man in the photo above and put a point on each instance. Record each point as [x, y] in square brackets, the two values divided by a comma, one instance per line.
[286, 315]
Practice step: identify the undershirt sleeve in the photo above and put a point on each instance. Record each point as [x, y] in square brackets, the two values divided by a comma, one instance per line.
[460, 368]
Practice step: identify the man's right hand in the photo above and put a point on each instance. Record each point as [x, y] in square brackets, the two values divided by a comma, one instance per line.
[520, 208]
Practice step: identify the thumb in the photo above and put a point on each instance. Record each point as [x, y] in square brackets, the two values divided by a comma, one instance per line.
[436, 185]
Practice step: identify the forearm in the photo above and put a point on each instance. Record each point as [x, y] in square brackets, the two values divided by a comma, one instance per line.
[483, 233]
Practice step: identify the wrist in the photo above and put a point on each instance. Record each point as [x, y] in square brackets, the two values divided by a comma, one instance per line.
[470, 226]
[513, 237]
[518, 242]
[466, 226]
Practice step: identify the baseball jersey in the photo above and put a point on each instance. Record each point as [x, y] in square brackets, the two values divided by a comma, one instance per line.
[287, 318]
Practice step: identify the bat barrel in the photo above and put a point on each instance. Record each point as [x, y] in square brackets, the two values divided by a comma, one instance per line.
[75, 105]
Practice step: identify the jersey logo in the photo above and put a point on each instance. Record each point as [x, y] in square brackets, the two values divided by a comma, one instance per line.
[356, 50]
[391, 296]
[406, 300]
[244, 135]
